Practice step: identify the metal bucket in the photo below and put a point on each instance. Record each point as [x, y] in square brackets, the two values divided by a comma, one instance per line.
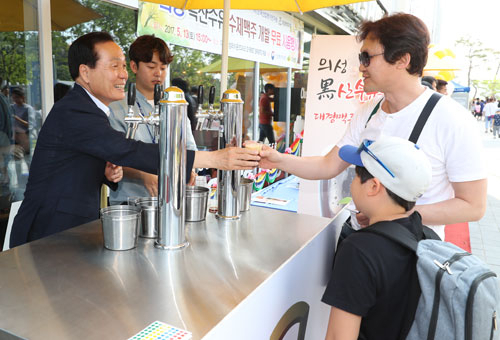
[149, 226]
[196, 203]
[120, 226]
[132, 200]
[246, 187]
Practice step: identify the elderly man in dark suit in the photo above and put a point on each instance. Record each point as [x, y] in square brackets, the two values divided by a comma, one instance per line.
[77, 149]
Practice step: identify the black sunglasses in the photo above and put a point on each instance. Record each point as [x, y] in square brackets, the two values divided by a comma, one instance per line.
[364, 58]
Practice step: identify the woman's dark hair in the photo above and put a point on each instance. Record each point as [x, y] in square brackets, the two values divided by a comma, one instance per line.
[365, 175]
[142, 49]
[400, 34]
[82, 51]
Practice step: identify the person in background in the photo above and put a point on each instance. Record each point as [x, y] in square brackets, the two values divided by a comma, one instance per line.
[393, 55]
[496, 122]
[369, 289]
[23, 113]
[7, 149]
[149, 59]
[482, 103]
[266, 114]
[477, 109]
[194, 94]
[489, 111]
[192, 103]
[430, 82]
[5, 91]
[441, 86]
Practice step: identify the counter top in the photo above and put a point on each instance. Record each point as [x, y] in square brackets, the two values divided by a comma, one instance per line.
[68, 286]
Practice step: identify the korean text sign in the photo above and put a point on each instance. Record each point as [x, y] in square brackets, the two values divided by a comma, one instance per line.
[335, 91]
[270, 37]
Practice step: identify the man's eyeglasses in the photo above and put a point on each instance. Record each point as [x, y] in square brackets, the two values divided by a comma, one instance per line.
[364, 58]
[364, 147]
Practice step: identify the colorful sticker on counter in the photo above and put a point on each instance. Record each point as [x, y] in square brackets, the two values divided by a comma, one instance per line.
[161, 331]
[270, 200]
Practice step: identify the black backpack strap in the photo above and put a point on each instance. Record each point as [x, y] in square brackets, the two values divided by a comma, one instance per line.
[394, 232]
[430, 234]
[422, 119]
[375, 109]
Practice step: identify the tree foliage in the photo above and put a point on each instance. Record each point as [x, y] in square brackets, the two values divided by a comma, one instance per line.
[186, 64]
[487, 88]
[118, 21]
[19, 52]
[474, 52]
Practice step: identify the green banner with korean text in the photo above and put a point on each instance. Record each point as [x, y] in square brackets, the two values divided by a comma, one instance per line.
[269, 37]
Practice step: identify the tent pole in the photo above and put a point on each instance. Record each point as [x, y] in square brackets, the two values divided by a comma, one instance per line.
[288, 105]
[225, 47]
[256, 98]
[45, 49]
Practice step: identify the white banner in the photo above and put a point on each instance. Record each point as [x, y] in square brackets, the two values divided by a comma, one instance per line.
[334, 93]
[274, 38]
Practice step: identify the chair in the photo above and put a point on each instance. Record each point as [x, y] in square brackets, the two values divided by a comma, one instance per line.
[14, 208]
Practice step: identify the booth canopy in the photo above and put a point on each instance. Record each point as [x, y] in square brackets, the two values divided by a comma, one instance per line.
[21, 15]
[265, 5]
[460, 88]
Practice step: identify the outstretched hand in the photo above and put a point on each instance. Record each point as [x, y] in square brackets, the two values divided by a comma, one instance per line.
[234, 158]
[269, 158]
[113, 173]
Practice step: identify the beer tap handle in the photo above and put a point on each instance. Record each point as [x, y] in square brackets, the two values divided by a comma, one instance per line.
[131, 94]
[211, 96]
[158, 93]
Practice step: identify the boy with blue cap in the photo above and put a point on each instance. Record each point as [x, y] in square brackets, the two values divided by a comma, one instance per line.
[369, 287]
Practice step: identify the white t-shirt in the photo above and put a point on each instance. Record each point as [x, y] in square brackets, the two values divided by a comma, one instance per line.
[490, 109]
[449, 139]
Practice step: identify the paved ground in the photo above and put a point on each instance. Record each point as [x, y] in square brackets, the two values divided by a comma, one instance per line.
[485, 234]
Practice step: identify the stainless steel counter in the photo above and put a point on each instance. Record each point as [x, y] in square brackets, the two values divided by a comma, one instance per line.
[68, 286]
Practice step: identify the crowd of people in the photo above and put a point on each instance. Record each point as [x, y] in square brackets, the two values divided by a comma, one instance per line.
[488, 110]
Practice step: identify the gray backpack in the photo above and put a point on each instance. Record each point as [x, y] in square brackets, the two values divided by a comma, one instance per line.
[459, 296]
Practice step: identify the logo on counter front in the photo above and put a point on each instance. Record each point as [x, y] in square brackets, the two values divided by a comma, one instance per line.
[298, 313]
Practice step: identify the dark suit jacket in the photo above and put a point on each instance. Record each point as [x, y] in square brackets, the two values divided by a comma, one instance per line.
[67, 169]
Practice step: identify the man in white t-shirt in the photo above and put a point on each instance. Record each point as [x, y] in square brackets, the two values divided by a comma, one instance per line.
[393, 55]
[489, 111]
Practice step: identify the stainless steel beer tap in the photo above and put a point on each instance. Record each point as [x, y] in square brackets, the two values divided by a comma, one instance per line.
[207, 117]
[152, 118]
[230, 135]
[131, 120]
[155, 120]
[199, 111]
[172, 177]
[169, 123]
